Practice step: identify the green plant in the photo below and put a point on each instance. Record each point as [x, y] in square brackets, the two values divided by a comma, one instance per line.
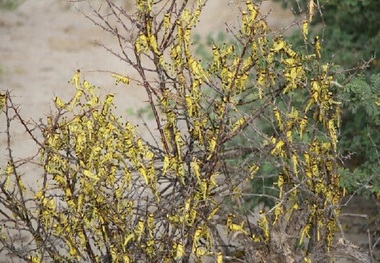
[360, 140]
[350, 38]
[10, 4]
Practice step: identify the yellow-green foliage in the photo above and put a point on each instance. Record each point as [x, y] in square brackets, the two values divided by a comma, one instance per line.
[108, 194]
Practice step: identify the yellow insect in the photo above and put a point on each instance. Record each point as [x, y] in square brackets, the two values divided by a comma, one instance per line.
[213, 212]
[277, 116]
[253, 170]
[311, 6]
[277, 150]
[278, 211]
[279, 44]
[303, 123]
[264, 225]
[289, 136]
[307, 159]
[139, 230]
[217, 59]
[307, 260]
[290, 52]
[150, 224]
[295, 164]
[211, 147]
[76, 99]
[153, 44]
[3, 101]
[332, 132]
[119, 78]
[305, 232]
[317, 47]
[167, 164]
[252, 10]
[35, 259]
[226, 51]
[314, 169]
[195, 166]
[144, 174]
[128, 238]
[141, 44]
[166, 21]
[80, 202]
[280, 184]
[291, 118]
[261, 82]
[197, 69]
[232, 227]
[93, 101]
[186, 16]
[261, 25]
[198, 234]
[91, 175]
[239, 123]
[219, 257]
[75, 79]
[9, 170]
[59, 103]
[180, 251]
[305, 29]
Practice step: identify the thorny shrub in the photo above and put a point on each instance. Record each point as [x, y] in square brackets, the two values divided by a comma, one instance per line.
[109, 195]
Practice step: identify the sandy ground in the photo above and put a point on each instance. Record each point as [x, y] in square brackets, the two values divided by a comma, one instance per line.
[43, 43]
